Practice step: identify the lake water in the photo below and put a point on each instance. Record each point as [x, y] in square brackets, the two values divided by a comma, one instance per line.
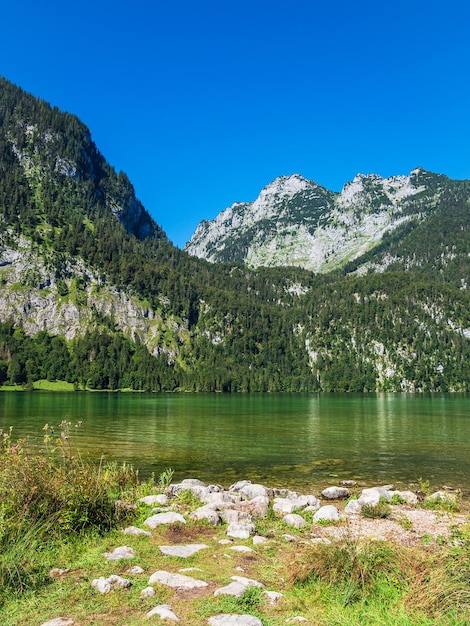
[298, 441]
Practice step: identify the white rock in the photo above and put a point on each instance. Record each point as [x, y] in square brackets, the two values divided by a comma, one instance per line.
[241, 549]
[442, 496]
[272, 596]
[294, 520]
[133, 530]
[257, 506]
[372, 495]
[136, 570]
[183, 551]
[205, 513]
[408, 496]
[123, 552]
[231, 516]
[239, 485]
[297, 618]
[329, 513]
[160, 498]
[335, 493]
[232, 619]
[164, 518]
[176, 581]
[164, 612]
[240, 530]
[235, 589]
[253, 491]
[257, 539]
[353, 507]
[148, 592]
[59, 621]
[104, 585]
[248, 582]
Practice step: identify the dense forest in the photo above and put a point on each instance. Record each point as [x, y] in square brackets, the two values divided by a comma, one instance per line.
[220, 327]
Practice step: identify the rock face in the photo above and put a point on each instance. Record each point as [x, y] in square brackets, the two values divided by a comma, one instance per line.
[295, 221]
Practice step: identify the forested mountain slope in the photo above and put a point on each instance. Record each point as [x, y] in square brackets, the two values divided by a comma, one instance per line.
[93, 292]
[370, 224]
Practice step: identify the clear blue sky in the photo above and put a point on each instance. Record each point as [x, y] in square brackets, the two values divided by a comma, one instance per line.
[204, 103]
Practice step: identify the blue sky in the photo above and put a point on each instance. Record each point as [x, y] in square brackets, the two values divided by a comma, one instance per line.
[203, 104]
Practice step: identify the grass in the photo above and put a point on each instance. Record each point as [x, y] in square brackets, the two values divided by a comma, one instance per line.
[57, 511]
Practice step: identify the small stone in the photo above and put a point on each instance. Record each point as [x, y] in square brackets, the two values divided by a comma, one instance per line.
[225, 542]
[328, 513]
[101, 584]
[240, 530]
[56, 572]
[123, 552]
[257, 506]
[289, 538]
[408, 496]
[239, 485]
[241, 549]
[232, 516]
[136, 570]
[235, 589]
[348, 483]
[164, 518]
[335, 493]
[294, 520]
[148, 592]
[160, 498]
[207, 514]
[117, 582]
[176, 581]
[59, 621]
[253, 491]
[248, 582]
[272, 596]
[353, 507]
[164, 612]
[257, 539]
[133, 530]
[190, 569]
[183, 551]
[232, 619]
[297, 618]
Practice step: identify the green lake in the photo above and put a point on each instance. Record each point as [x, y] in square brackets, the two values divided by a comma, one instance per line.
[297, 441]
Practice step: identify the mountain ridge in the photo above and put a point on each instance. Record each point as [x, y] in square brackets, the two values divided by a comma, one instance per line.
[295, 221]
[92, 292]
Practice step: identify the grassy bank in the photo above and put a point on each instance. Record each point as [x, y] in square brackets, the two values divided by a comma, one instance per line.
[59, 512]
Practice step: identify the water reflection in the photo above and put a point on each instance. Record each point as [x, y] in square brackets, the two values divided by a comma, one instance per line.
[293, 440]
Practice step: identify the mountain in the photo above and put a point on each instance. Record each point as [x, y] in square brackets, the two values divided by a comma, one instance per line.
[297, 222]
[92, 291]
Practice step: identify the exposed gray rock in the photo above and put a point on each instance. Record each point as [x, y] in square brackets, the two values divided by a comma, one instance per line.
[253, 491]
[133, 530]
[353, 507]
[232, 589]
[409, 497]
[272, 596]
[258, 506]
[297, 618]
[148, 592]
[442, 496]
[294, 520]
[257, 539]
[164, 518]
[372, 495]
[136, 570]
[105, 585]
[231, 516]
[248, 582]
[182, 551]
[160, 498]
[240, 530]
[164, 612]
[328, 513]
[123, 552]
[232, 619]
[221, 499]
[176, 581]
[241, 549]
[239, 485]
[59, 621]
[335, 493]
[205, 513]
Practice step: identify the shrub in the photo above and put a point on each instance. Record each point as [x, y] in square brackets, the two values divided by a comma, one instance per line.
[380, 510]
